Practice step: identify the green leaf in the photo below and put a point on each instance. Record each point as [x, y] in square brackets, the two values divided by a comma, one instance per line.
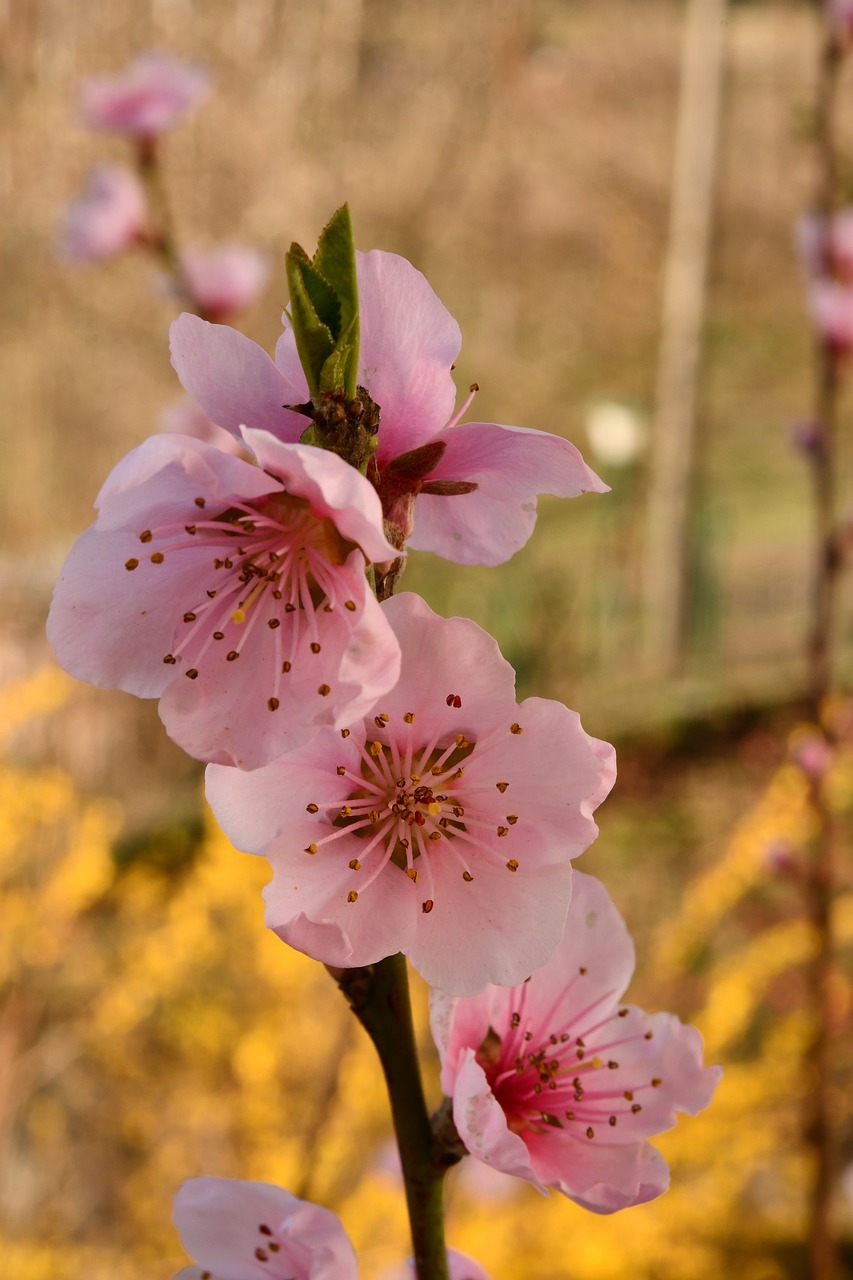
[324, 308]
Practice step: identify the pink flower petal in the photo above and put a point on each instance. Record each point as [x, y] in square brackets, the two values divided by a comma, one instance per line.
[602, 1178]
[482, 1124]
[510, 466]
[234, 380]
[247, 1230]
[149, 96]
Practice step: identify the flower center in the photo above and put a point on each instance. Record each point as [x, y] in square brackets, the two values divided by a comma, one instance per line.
[408, 799]
[273, 562]
[569, 1076]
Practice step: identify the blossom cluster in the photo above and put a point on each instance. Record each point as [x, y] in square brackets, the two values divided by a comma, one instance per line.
[374, 752]
[114, 210]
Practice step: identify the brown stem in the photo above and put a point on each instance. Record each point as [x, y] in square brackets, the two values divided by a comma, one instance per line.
[822, 1245]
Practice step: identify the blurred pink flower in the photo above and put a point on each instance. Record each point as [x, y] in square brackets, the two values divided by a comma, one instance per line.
[831, 309]
[441, 826]
[184, 417]
[556, 1082]
[840, 17]
[198, 559]
[409, 343]
[225, 279]
[459, 1266]
[148, 97]
[826, 248]
[245, 1230]
[106, 217]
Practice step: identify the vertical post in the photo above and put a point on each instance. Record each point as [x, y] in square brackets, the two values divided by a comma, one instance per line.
[667, 534]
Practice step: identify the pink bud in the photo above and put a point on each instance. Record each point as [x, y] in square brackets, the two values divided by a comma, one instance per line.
[224, 279]
[106, 217]
[148, 97]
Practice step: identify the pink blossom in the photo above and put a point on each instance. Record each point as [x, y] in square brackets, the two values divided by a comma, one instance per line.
[225, 279]
[106, 217]
[826, 247]
[475, 483]
[184, 417]
[557, 1082]
[148, 97]
[198, 559]
[839, 15]
[831, 308]
[248, 1230]
[442, 825]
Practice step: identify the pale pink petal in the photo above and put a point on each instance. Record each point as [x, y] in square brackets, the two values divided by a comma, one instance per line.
[149, 96]
[246, 1230]
[233, 379]
[456, 657]
[106, 217]
[497, 928]
[409, 342]
[459, 1265]
[224, 279]
[599, 1177]
[482, 1125]
[510, 466]
[831, 310]
[184, 417]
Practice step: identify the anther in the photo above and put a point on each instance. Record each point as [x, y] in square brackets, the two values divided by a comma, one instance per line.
[612, 1122]
[354, 864]
[232, 656]
[273, 623]
[146, 535]
[612, 1065]
[411, 872]
[434, 835]
[636, 1107]
[352, 896]
[453, 700]
[199, 502]
[628, 1095]
[467, 877]
[264, 1230]
[191, 529]
[648, 1035]
[656, 1083]
[170, 659]
[516, 728]
[409, 717]
[324, 690]
[192, 674]
[427, 906]
[285, 666]
[512, 865]
[211, 595]
[351, 605]
[273, 704]
[219, 635]
[315, 648]
[512, 819]
[590, 1133]
[341, 770]
[502, 786]
[189, 617]
[503, 831]
[157, 557]
[345, 733]
[623, 1013]
[131, 564]
[313, 808]
[261, 1255]
[582, 970]
[311, 848]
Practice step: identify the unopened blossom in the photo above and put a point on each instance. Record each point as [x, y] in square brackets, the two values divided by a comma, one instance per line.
[235, 593]
[831, 310]
[186, 418]
[558, 1082]
[225, 279]
[248, 1230]
[108, 215]
[441, 825]
[466, 491]
[153, 93]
